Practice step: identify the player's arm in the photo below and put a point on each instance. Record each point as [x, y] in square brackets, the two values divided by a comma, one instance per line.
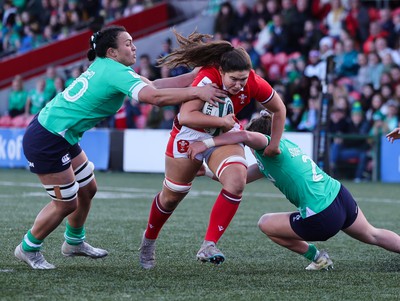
[277, 107]
[393, 135]
[180, 81]
[253, 140]
[173, 96]
[253, 173]
[190, 115]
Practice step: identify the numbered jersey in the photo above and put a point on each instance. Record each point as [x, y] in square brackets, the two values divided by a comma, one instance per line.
[96, 94]
[296, 175]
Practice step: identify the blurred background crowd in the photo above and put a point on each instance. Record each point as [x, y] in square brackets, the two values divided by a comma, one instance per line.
[289, 42]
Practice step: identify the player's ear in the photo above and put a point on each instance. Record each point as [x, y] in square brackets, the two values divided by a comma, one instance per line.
[111, 52]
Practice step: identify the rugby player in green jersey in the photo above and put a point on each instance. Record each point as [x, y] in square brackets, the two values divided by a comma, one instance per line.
[324, 205]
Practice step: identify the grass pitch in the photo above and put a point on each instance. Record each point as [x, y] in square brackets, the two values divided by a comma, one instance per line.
[255, 268]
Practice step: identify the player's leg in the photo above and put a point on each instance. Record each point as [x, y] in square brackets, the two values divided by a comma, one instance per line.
[75, 235]
[179, 174]
[63, 189]
[363, 231]
[229, 165]
[49, 158]
[279, 227]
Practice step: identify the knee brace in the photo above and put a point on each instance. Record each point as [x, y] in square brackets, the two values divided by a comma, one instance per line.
[181, 188]
[229, 161]
[84, 173]
[65, 192]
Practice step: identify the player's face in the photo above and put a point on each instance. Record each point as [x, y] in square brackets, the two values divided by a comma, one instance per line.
[234, 81]
[126, 51]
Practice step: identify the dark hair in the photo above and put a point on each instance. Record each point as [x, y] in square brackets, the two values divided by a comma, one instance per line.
[261, 124]
[193, 51]
[102, 40]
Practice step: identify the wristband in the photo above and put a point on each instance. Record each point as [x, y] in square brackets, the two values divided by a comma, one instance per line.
[209, 142]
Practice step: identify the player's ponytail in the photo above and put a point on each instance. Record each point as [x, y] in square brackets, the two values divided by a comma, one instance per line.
[91, 54]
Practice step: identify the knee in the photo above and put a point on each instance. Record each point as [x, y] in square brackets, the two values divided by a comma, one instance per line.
[234, 182]
[66, 208]
[88, 192]
[170, 200]
[263, 223]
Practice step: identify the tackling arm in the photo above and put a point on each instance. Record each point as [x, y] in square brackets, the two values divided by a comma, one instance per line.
[277, 107]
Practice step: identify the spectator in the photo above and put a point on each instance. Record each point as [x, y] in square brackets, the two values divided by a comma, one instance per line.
[309, 118]
[363, 76]
[147, 69]
[273, 8]
[379, 127]
[224, 21]
[17, 98]
[259, 12]
[280, 36]
[335, 18]
[75, 72]
[375, 32]
[254, 56]
[349, 66]
[375, 69]
[50, 88]
[367, 91]
[294, 113]
[59, 84]
[169, 113]
[345, 149]
[263, 38]
[166, 47]
[37, 98]
[374, 112]
[357, 21]
[310, 39]
[242, 18]
[315, 68]
[392, 115]
[381, 47]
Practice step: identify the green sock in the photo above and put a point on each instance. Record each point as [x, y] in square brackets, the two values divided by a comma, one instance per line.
[74, 236]
[311, 253]
[30, 243]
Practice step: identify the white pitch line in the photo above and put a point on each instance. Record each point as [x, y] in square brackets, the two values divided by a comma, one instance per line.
[109, 192]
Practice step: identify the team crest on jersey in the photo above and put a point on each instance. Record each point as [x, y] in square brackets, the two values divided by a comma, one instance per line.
[242, 98]
[182, 145]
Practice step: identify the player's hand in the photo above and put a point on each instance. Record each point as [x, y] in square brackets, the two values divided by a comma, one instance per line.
[196, 148]
[212, 94]
[271, 151]
[393, 135]
[229, 122]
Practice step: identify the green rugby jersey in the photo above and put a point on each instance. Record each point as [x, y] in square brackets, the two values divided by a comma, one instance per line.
[299, 178]
[97, 93]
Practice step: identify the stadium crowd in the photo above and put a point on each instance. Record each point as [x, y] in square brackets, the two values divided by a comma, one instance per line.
[289, 42]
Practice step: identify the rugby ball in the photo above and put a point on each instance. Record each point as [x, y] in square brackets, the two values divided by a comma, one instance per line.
[222, 110]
